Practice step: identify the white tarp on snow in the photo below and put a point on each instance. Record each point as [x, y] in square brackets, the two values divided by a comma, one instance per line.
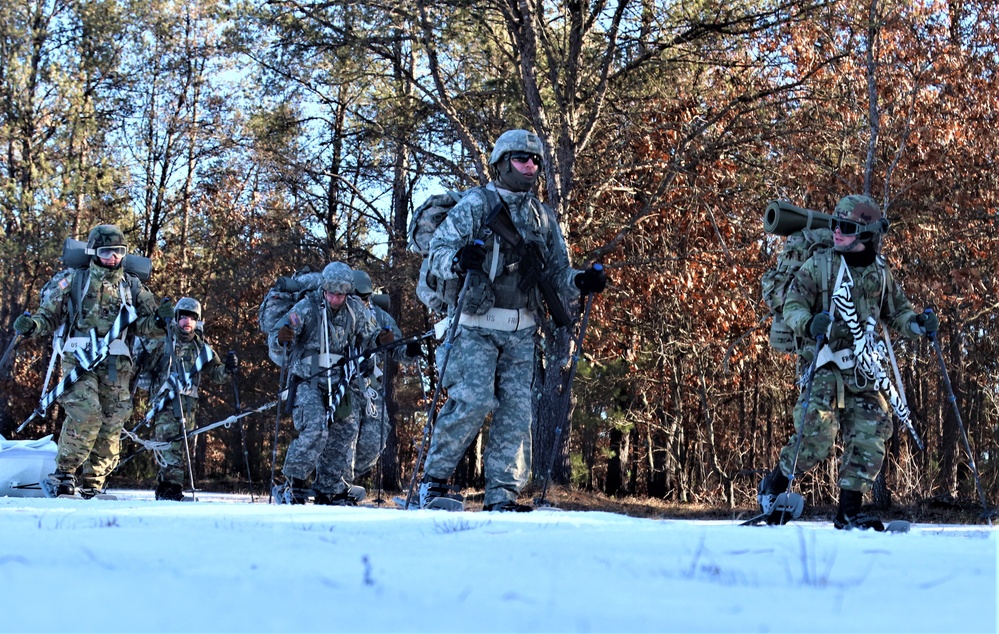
[23, 464]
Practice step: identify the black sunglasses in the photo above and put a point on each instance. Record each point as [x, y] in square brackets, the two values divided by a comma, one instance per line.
[523, 157]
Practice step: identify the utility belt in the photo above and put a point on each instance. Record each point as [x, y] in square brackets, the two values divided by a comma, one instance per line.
[317, 365]
[503, 319]
[843, 359]
[118, 348]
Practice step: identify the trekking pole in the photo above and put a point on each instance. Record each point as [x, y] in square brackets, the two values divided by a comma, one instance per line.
[242, 430]
[988, 513]
[382, 421]
[283, 377]
[187, 445]
[428, 427]
[9, 352]
[810, 380]
[567, 396]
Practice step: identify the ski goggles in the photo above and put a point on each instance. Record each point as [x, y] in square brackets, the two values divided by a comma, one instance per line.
[851, 228]
[523, 157]
[107, 252]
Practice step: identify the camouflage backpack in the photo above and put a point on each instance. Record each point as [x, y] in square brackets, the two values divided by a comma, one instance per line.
[432, 292]
[282, 296]
[805, 232]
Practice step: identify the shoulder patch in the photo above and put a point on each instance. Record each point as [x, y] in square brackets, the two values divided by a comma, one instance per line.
[64, 283]
[294, 319]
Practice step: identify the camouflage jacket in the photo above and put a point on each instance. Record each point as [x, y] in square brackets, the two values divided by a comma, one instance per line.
[875, 293]
[535, 222]
[99, 305]
[351, 329]
[163, 364]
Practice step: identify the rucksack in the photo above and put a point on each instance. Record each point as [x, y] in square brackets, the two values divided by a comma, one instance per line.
[806, 232]
[432, 292]
[281, 297]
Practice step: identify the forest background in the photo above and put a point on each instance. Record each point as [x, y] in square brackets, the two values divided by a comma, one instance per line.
[235, 142]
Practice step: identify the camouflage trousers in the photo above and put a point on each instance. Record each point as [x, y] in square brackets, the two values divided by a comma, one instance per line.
[488, 371]
[96, 410]
[863, 417]
[325, 449]
[172, 459]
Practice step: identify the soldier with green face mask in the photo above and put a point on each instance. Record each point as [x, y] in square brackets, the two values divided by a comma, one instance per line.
[490, 367]
[317, 336]
[98, 404]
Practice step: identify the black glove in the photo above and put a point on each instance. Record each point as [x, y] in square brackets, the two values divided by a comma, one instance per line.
[414, 349]
[819, 324]
[385, 337]
[470, 257]
[231, 362]
[592, 280]
[24, 325]
[286, 335]
[925, 323]
[164, 312]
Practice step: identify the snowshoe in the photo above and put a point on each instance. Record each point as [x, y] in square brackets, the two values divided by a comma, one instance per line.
[290, 492]
[786, 507]
[509, 506]
[357, 494]
[437, 494]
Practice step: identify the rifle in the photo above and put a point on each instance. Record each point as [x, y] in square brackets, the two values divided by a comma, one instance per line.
[532, 263]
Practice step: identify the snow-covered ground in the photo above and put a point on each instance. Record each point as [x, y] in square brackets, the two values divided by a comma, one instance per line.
[225, 565]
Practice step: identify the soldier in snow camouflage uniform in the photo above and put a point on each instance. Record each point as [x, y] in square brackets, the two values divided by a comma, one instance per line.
[323, 328]
[841, 397]
[99, 403]
[491, 364]
[176, 353]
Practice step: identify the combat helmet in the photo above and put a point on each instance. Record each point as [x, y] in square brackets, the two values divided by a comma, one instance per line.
[863, 218]
[189, 305]
[362, 283]
[338, 278]
[105, 236]
[515, 141]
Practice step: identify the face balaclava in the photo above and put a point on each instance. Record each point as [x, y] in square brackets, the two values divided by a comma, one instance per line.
[510, 178]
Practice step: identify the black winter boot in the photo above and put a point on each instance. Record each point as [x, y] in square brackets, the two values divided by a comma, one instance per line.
[335, 499]
[59, 483]
[848, 516]
[773, 484]
[509, 506]
[169, 491]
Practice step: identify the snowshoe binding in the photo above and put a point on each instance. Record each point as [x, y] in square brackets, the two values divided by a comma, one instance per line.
[59, 484]
[437, 494]
[509, 506]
